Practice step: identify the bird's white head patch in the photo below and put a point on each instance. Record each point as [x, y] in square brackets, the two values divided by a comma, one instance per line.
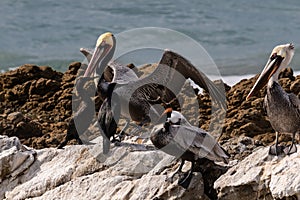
[176, 117]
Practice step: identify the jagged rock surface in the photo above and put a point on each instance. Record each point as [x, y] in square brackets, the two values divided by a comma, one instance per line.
[128, 172]
[262, 176]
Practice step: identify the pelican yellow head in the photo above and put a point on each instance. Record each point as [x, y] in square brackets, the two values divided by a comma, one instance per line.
[105, 38]
[103, 52]
[286, 51]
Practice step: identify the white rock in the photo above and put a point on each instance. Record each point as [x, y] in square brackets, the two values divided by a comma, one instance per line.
[127, 172]
[260, 176]
[15, 159]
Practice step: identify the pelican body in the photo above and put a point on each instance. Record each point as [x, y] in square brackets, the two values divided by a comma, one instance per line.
[283, 109]
[179, 138]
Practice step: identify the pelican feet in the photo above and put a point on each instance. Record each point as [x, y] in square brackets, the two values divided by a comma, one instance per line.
[276, 150]
[186, 179]
[290, 149]
[119, 138]
[183, 180]
[178, 171]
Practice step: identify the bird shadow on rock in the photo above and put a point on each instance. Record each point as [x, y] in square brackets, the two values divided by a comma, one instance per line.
[210, 173]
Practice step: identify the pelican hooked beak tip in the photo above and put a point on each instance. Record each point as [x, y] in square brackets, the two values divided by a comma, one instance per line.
[248, 96]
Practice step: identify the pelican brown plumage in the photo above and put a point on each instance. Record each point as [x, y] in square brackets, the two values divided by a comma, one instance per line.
[283, 109]
[179, 138]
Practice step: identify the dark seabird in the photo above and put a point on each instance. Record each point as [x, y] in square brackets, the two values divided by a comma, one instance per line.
[178, 137]
[106, 119]
[283, 109]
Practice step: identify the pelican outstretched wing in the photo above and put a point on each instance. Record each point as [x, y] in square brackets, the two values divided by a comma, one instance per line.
[188, 70]
[170, 75]
[166, 80]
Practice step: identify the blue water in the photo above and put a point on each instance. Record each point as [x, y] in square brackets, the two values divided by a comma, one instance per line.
[239, 35]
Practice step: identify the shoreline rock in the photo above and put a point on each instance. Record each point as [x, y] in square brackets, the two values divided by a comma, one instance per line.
[75, 173]
[262, 176]
[43, 97]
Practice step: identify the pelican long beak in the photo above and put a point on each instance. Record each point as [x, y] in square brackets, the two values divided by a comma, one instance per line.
[271, 67]
[104, 45]
[99, 53]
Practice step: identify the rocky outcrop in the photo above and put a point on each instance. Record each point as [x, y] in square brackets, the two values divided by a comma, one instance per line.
[82, 172]
[41, 101]
[262, 176]
[133, 171]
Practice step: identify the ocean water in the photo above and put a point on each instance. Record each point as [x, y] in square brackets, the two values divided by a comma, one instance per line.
[238, 35]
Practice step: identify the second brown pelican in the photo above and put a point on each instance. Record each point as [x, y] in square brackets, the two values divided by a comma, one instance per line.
[179, 138]
[283, 109]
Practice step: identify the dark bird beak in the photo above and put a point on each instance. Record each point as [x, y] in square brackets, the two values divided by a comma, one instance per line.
[271, 67]
[168, 110]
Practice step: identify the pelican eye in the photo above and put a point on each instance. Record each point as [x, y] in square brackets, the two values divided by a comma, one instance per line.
[103, 43]
[291, 46]
[273, 56]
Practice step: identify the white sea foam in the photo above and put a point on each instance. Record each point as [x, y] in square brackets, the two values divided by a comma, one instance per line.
[232, 80]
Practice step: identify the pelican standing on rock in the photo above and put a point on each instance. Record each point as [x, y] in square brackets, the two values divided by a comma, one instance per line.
[283, 109]
[178, 137]
[137, 106]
